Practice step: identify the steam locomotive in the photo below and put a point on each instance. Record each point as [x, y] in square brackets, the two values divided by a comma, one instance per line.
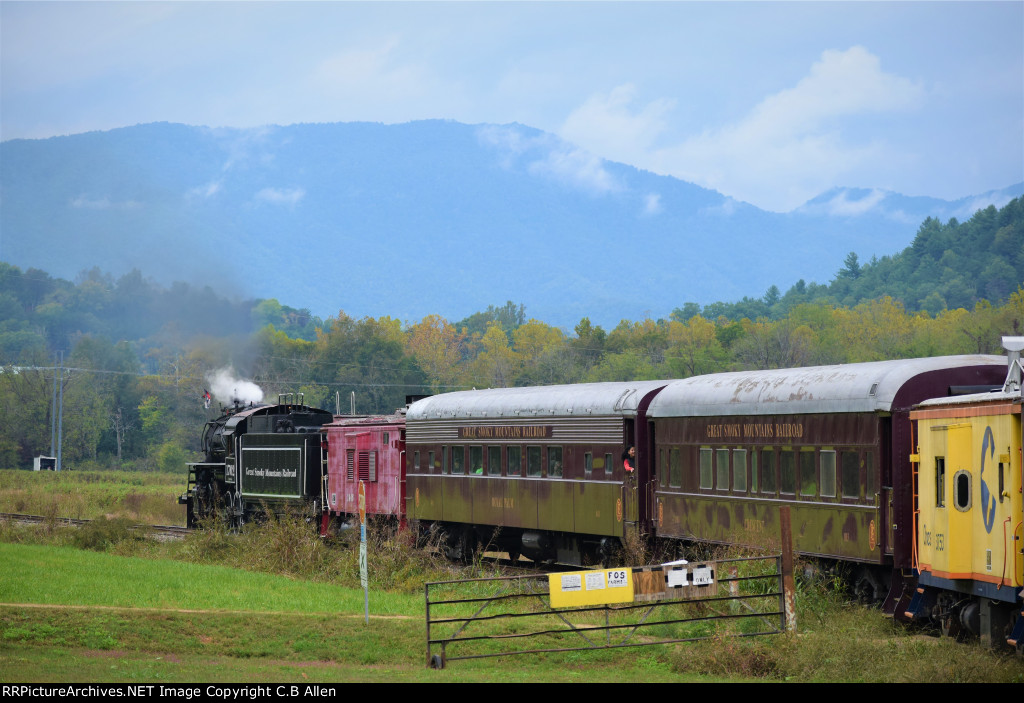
[257, 457]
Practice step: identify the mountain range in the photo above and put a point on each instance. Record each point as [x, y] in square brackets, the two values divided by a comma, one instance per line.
[425, 217]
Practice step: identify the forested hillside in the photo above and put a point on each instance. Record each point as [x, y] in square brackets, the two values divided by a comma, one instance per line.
[138, 357]
[950, 265]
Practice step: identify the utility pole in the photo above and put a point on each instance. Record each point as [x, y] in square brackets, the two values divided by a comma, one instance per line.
[60, 413]
[53, 410]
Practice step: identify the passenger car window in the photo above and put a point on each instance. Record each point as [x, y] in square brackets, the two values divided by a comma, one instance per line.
[706, 476]
[514, 455]
[827, 458]
[722, 469]
[768, 477]
[676, 468]
[555, 462]
[533, 464]
[739, 470]
[851, 475]
[787, 471]
[808, 473]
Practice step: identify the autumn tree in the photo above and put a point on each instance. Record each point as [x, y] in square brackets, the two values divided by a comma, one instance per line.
[497, 365]
[437, 347]
[541, 349]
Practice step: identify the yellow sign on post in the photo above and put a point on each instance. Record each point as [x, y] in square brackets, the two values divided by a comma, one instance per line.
[599, 587]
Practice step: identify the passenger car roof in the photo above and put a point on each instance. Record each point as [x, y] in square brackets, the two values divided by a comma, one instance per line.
[581, 399]
[866, 387]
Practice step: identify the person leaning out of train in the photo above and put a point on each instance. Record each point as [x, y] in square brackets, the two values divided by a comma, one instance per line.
[629, 460]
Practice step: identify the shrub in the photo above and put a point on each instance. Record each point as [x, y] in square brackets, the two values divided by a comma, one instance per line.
[101, 534]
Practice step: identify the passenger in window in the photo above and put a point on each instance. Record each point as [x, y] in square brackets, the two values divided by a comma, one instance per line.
[629, 459]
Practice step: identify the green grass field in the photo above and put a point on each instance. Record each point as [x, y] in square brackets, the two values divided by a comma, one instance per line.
[72, 615]
[276, 603]
[150, 498]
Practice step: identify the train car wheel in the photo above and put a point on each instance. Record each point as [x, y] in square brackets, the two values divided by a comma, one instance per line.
[866, 587]
[461, 544]
[947, 613]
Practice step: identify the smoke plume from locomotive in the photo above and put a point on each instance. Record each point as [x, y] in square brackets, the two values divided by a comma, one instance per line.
[226, 388]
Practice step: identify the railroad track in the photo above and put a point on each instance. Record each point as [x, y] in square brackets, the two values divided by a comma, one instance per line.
[170, 532]
[161, 532]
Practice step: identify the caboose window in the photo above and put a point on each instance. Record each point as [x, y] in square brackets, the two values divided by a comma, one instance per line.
[808, 475]
[555, 462]
[940, 482]
[458, 460]
[533, 463]
[675, 468]
[962, 491]
[851, 475]
[494, 461]
[828, 473]
[706, 476]
[350, 464]
[787, 471]
[514, 455]
[739, 470]
[722, 469]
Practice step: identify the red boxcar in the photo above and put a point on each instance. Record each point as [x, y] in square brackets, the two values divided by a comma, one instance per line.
[368, 449]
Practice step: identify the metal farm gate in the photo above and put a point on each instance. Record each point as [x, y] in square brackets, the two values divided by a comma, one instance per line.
[608, 608]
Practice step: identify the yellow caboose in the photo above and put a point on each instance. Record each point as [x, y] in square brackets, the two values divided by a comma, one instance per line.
[968, 526]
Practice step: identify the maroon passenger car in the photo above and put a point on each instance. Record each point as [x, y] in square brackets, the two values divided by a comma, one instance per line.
[831, 442]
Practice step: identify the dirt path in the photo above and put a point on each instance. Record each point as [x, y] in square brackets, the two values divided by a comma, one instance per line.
[120, 608]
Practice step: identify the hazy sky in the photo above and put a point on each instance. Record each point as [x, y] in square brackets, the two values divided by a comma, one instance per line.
[767, 102]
